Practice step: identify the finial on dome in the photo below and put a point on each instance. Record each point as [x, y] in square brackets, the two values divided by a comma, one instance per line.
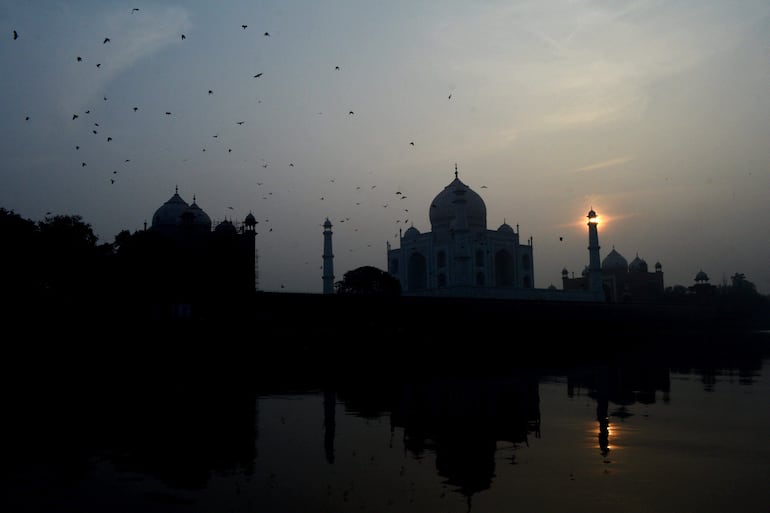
[176, 189]
[455, 169]
[193, 198]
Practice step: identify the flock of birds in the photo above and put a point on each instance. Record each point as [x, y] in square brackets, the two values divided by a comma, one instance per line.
[96, 129]
[400, 212]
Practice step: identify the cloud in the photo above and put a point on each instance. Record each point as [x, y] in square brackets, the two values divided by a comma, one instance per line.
[133, 37]
[560, 65]
[603, 164]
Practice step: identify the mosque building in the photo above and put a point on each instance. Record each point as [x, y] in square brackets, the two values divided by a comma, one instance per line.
[460, 257]
[622, 281]
[224, 258]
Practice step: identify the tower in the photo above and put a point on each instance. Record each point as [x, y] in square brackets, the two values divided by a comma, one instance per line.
[594, 263]
[328, 256]
[249, 241]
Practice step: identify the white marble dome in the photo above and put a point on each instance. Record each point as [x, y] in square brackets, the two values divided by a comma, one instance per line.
[443, 209]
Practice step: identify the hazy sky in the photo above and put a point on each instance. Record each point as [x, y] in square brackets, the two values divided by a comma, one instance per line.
[656, 114]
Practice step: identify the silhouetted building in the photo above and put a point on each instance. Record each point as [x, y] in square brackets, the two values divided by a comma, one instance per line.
[702, 287]
[460, 257]
[621, 281]
[220, 260]
[328, 256]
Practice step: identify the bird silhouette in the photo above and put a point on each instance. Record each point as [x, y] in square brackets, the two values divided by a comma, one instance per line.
[450, 96]
[26, 118]
[106, 40]
[109, 139]
[336, 68]
[183, 36]
[98, 65]
[79, 58]
[211, 92]
[168, 113]
[412, 143]
[74, 116]
[15, 35]
[244, 27]
[240, 122]
[267, 34]
[351, 112]
[136, 109]
[258, 75]
[135, 9]
[83, 164]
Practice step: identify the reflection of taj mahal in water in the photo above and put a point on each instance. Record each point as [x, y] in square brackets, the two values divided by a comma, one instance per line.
[460, 257]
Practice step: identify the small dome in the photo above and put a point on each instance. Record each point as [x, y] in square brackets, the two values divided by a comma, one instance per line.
[250, 220]
[443, 209]
[637, 265]
[505, 228]
[701, 276]
[614, 261]
[226, 227]
[327, 223]
[658, 266]
[564, 272]
[411, 233]
[170, 213]
[199, 219]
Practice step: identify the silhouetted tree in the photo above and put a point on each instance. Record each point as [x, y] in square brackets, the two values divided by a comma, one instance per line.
[20, 257]
[70, 255]
[368, 280]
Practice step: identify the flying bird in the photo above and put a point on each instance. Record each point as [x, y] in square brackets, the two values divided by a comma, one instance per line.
[258, 75]
[15, 35]
[336, 68]
[26, 118]
[106, 40]
[74, 116]
[239, 122]
[450, 96]
[211, 92]
[98, 65]
[183, 36]
[109, 139]
[79, 58]
[135, 9]
[244, 27]
[351, 112]
[168, 113]
[267, 34]
[136, 109]
[412, 143]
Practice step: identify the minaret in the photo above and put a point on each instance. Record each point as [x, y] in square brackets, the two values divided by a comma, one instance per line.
[594, 263]
[328, 256]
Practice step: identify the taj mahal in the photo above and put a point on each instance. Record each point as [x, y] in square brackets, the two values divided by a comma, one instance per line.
[460, 257]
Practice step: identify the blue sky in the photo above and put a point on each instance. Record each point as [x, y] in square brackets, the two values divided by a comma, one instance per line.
[656, 114]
